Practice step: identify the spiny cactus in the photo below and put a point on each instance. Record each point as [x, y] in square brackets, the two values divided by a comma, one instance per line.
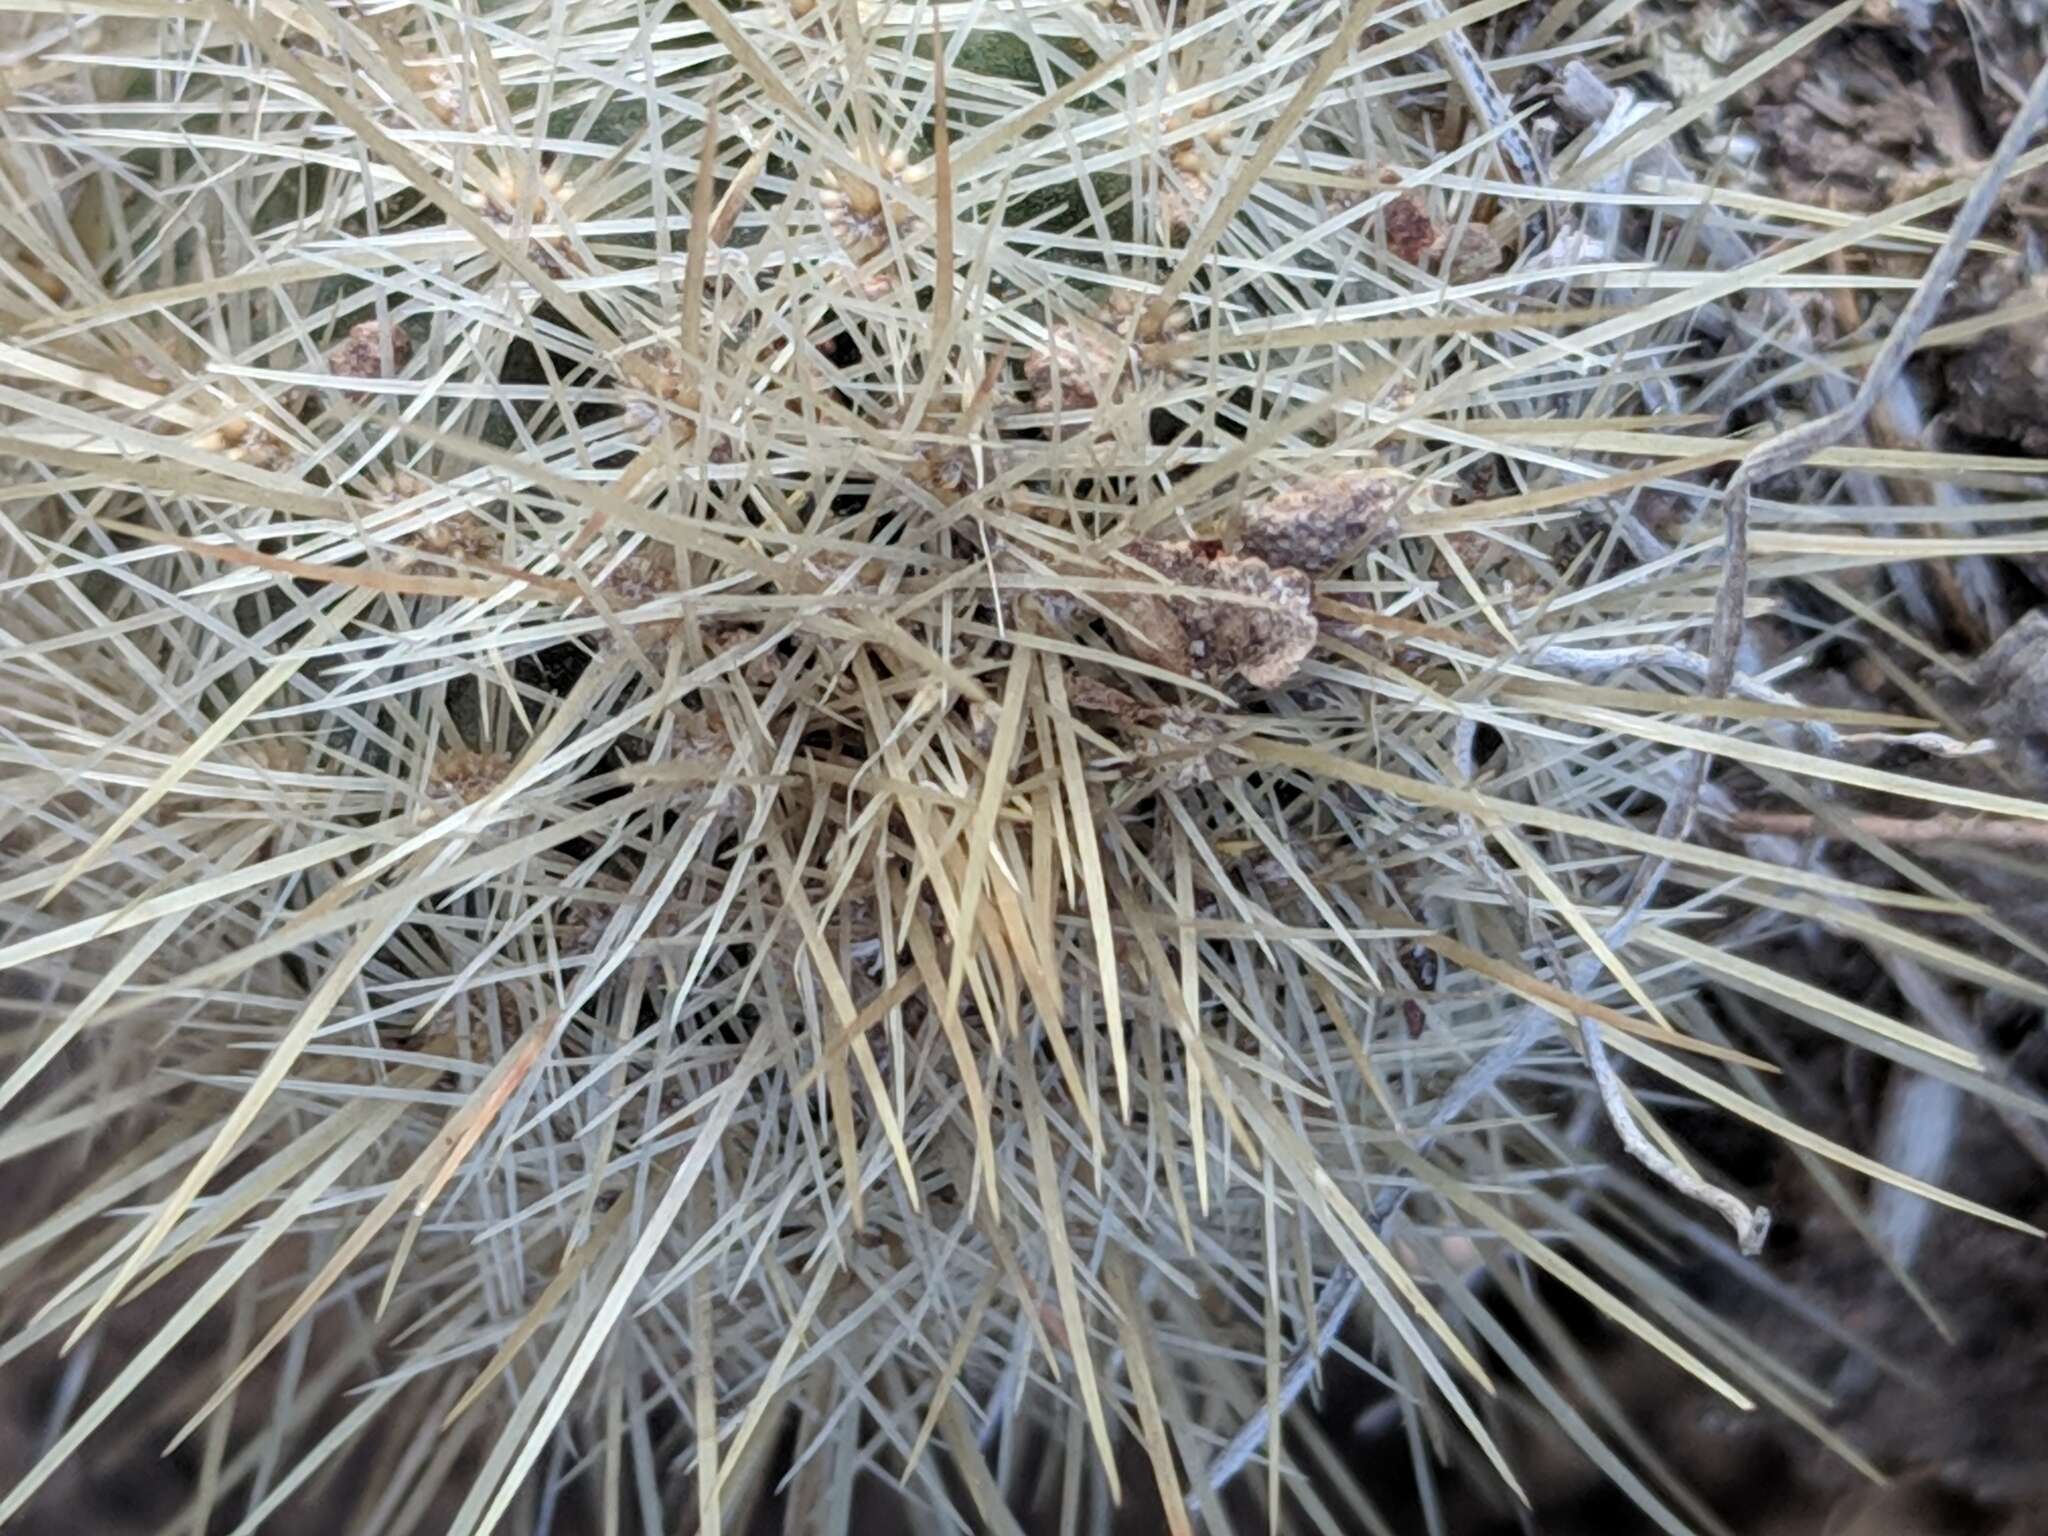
[753, 745]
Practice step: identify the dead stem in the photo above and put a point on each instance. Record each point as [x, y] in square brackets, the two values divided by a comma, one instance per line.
[1902, 830]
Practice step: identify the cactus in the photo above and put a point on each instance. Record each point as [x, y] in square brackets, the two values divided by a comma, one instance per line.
[752, 752]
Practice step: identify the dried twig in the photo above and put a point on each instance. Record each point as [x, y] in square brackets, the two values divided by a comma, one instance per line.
[1791, 449]
[1477, 84]
[1587, 97]
[1752, 1224]
[1986, 832]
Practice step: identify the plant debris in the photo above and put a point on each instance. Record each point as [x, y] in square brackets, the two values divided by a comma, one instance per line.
[1998, 385]
[1257, 625]
[1314, 525]
[374, 349]
[1094, 361]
